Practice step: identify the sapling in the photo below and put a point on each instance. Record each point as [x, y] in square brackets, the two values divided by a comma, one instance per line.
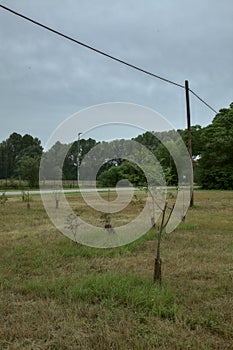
[162, 226]
[57, 198]
[106, 218]
[72, 224]
[158, 203]
[26, 198]
[3, 198]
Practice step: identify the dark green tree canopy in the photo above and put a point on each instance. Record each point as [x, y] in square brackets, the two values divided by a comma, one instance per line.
[215, 170]
[197, 141]
[28, 169]
[13, 149]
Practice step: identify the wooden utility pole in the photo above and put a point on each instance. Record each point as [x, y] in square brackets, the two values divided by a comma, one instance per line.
[189, 139]
[78, 158]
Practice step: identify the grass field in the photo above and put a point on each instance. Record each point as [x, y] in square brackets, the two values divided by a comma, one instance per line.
[56, 294]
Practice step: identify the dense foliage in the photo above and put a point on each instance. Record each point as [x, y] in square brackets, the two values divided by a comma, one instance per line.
[215, 170]
[20, 156]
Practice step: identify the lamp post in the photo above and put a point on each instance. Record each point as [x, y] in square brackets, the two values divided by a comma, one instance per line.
[78, 158]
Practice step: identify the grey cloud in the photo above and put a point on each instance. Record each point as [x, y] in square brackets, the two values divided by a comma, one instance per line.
[45, 78]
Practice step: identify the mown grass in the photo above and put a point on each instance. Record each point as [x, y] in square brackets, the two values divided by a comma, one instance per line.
[109, 290]
[56, 294]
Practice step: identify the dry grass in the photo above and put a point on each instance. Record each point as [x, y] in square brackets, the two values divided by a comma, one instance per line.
[56, 294]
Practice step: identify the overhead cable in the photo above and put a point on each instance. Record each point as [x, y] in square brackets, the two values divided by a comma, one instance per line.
[203, 101]
[90, 47]
[104, 53]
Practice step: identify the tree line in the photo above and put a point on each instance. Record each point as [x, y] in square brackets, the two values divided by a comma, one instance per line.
[212, 150]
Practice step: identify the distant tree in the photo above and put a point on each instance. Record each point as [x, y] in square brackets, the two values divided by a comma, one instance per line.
[167, 163]
[126, 170]
[70, 163]
[109, 177]
[28, 169]
[52, 160]
[30, 147]
[197, 140]
[3, 161]
[148, 139]
[215, 169]
[15, 148]
[160, 143]
[60, 161]
[12, 149]
[153, 139]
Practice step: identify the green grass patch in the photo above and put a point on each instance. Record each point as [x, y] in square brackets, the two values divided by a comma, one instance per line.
[137, 293]
[110, 290]
[45, 288]
[186, 226]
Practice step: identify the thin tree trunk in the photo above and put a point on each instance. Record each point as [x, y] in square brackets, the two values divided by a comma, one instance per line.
[158, 261]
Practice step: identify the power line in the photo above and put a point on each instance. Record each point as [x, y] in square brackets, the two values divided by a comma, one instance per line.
[203, 101]
[91, 47]
[104, 53]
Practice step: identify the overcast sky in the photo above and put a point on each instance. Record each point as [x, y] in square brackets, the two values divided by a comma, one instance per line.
[45, 78]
